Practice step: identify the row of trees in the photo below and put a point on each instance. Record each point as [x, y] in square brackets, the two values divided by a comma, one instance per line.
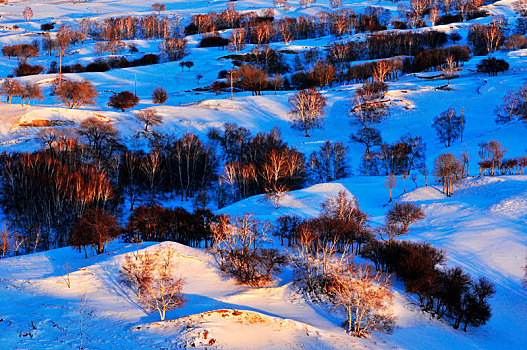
[75, 94]
[21, 51]
[397, 158]
[47, 192]
[26, 92]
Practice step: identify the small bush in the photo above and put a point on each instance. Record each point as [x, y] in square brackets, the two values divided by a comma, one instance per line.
[47, 27]
[146, 60]
[399, 25]
[159, 96]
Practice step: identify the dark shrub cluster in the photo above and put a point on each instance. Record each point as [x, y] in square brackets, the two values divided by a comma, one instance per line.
[447, 293]
[27, 69]
[436, 58]
[103, 65]
[176, 225]
[214, 41]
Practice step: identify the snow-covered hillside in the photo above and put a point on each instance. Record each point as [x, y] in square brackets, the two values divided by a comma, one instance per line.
[39, 310]
[55, 299]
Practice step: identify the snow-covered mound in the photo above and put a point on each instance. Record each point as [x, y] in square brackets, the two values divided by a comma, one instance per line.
[234, 329]
[305, 203]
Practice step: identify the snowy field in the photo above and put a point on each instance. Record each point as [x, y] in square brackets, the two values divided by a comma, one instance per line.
[482, 227]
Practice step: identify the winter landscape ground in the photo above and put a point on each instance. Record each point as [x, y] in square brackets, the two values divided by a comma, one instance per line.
[54, 297]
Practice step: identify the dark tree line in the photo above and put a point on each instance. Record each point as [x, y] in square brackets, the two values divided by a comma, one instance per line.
[436, 59]
[155, 223]
[46, 192]
[265, 28]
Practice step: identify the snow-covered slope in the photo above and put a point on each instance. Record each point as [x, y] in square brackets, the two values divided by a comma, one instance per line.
[474, 226]
[482, 227]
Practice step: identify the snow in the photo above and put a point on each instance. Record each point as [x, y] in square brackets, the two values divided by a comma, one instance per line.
[481, 228]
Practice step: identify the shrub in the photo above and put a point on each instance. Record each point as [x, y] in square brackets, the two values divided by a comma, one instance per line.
[404, 214]
[96, 228]
[399, 25]
[47, 26]
[147, 60]
[239, 252]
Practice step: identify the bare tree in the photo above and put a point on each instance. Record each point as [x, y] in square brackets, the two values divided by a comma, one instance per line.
[404, 176]
[158, 7]
[31, 92]
[10, 88]
[276, 82]
[390, 230]
[414, 179]
[263, 32]
[307, 110]
[447, 5]
[391, 182]
[336, 3]
[5, 241]
[137, 272]
[449, 68]
[149, 117]
[251, 79]
[238, 248]
[99, 134]
[365, 296]
[424, 171]
[404, 214]
[151, 167]
[28, 14]
[277, 167]
[448, 170]
[381, 69]
[75, 94]
[237, 40]
[465, 158]
[285, 31]
[83, 303]
[449, 126]
[152, 275]
[434, 15]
